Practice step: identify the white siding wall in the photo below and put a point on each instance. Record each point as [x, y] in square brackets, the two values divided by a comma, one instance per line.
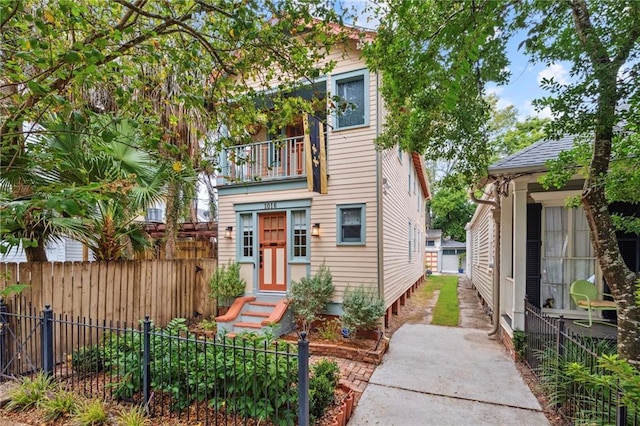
[480, 229]
[351, 166]
[65, 250]
[401, 207]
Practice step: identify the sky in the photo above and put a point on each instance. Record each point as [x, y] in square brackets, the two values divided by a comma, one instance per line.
[524, 84]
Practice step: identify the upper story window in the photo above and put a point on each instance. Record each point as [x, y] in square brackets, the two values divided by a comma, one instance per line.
[431, 243]
[352, 103]
[351, 225]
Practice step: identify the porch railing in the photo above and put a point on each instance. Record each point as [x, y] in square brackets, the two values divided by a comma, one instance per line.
[275, 159]
[550, 347]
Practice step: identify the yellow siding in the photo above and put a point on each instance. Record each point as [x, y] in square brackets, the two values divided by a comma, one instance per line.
[400, 206]
[481, 252]
[351, 158]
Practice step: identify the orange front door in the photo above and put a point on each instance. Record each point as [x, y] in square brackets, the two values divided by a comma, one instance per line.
[273, 251]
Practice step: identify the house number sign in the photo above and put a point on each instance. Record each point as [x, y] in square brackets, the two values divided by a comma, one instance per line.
[270, 205]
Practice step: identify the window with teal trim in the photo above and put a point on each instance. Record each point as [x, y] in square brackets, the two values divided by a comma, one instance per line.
[299, 228]
[246, 229]
[350, 96]
[351, 224]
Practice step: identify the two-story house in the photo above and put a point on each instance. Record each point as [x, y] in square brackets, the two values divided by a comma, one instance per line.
[322, 193]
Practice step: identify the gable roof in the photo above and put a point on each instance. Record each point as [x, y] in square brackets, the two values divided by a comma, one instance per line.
[418, 164]
[532, 157]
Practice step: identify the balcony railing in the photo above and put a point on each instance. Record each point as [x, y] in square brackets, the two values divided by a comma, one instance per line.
[261, 161]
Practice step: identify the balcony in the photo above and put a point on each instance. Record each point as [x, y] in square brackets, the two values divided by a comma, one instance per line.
[263, 161]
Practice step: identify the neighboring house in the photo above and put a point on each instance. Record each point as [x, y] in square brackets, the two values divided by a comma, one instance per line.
[63, 250]
[543, 245]
[322, 193]
[443, 255]
[432, 250]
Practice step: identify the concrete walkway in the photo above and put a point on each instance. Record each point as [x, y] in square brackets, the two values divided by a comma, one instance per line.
[436, 375]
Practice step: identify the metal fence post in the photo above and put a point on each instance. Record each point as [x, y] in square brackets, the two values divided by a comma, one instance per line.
[560, 337]
[47, 339]
[621, 410]
[146, 363]
[303, 380]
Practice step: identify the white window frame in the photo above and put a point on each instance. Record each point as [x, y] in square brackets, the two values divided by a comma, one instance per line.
[246, 221]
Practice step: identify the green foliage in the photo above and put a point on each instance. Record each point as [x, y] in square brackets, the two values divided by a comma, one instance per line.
[451, 210]
[614, 377]
[252, 379]
[88, 360]
[12, 289]
[91, 413]
[209, 324]
[310, 295]
[322, 386]
[520, 343]
[555, 379]
[446, 312]
[330, 329]
[30, 392]
[150, 63]
[247, 375]
[438, 59]
[132, 416]
[225, 284]
[362, 310]
[58, 404]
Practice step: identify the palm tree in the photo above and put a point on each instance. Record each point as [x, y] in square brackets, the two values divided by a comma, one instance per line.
[89, 181]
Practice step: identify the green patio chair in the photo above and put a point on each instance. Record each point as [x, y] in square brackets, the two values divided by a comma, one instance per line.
[585, 295]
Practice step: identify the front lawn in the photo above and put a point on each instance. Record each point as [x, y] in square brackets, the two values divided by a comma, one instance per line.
[446, 312]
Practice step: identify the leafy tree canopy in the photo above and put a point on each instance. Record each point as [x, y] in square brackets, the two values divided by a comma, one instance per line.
[176, 70]
[451, 210]
[437, 58]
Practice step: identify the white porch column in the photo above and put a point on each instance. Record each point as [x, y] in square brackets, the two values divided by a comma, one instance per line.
[519, 251]
[506, 254]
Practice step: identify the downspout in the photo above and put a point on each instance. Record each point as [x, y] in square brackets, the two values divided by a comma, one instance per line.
[496, 255]
[379, 212]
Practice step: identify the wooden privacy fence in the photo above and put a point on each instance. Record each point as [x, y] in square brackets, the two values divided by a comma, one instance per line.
[124, 291]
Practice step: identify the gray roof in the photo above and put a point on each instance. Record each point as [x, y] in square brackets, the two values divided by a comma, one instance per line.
[452, 244]
[532, 157]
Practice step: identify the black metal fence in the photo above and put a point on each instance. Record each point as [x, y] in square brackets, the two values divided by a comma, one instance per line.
[554, 353]
[175, 375]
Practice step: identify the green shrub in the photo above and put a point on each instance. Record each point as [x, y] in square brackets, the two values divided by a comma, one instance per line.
[322, 386]
[362, 310]
[88, 360]
[330, 330]
[520, 343]
[310, 296]
[30, 392]
[91, 413]
[225, 284]
[132, 416]
[613, 375]
[58, 404]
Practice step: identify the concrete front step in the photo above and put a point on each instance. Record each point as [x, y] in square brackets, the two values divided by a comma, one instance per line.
[260, 306]
[251, 315]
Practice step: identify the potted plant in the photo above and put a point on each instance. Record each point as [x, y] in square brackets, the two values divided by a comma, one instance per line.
[462, 257]
[225, 285]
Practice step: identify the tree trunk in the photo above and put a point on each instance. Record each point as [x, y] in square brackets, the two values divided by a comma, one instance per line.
[36, 254]
[171, 217]
[620, 279]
